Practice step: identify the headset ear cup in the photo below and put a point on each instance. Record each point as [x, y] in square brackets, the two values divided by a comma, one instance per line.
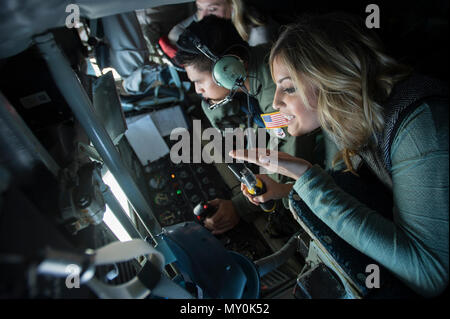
[227, 70]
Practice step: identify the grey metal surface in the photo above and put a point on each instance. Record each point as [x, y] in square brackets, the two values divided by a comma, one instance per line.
[117, 210]
[107, 106]
[70, 87]
[20, 150]
[21, 20]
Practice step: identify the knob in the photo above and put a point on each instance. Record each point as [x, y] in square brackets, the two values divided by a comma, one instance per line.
[203, 210]
[189, 186]
[195, 199]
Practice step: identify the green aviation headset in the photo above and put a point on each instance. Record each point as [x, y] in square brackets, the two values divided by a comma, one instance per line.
[228, 70]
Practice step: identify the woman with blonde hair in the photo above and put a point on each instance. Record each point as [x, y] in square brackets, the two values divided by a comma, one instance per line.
[250, 24]
[331, 73]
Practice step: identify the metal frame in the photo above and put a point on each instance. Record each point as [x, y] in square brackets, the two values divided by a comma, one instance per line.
[68, 83]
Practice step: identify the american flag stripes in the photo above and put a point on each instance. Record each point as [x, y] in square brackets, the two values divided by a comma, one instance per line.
[274, 120]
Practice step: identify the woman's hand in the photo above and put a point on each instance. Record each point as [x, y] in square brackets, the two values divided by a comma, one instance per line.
[277, 162]
[274, 190]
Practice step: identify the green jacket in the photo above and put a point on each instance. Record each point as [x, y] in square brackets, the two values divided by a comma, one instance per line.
[231, 116]
[415, 245]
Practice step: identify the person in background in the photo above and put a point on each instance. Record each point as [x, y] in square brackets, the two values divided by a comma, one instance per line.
[331, 72]
[251, 25]
[220, 36]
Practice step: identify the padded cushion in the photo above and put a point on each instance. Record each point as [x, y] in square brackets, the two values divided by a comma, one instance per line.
[203, 259]
[352, 261]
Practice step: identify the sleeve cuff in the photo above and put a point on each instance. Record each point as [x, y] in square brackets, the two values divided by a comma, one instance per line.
[301, 185]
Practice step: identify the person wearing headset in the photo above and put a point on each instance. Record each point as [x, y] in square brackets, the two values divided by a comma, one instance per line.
[228, 107]
[332, 72]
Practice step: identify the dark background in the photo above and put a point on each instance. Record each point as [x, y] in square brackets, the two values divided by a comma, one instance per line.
[415, 32]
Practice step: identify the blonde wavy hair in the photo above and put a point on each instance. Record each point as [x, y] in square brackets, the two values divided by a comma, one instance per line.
[243, 19]
[345, 63]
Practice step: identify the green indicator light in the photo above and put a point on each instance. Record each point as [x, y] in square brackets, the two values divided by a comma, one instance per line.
[178, 192]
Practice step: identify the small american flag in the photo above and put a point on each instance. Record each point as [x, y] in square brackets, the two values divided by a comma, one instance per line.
[274, 120]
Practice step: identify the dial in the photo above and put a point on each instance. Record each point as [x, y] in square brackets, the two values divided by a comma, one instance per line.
[205, 180]
[195, 199]
[212, 192]
[189, 186]
[200, 170]
[158, 182]
[162, 199]
[167, 218]
[183, 174]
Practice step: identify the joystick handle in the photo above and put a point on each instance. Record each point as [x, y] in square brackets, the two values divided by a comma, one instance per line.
[204, 210]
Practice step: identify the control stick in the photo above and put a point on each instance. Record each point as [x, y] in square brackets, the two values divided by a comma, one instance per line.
[254, 185]
[204, 210]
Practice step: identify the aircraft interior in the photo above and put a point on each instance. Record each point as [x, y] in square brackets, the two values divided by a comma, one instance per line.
[92, 203]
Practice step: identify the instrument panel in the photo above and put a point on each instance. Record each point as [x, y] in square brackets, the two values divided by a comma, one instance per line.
[175, 189]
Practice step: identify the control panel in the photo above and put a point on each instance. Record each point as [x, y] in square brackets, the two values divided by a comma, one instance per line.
[176, 190]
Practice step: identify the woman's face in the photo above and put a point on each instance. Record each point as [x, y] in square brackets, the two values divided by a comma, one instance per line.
[287, 100]
[220, 8]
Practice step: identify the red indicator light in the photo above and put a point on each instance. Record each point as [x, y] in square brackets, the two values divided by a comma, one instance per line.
[205, 206]
[198, 217]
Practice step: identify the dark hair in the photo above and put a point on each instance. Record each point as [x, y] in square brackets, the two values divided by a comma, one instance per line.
[218, 34]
